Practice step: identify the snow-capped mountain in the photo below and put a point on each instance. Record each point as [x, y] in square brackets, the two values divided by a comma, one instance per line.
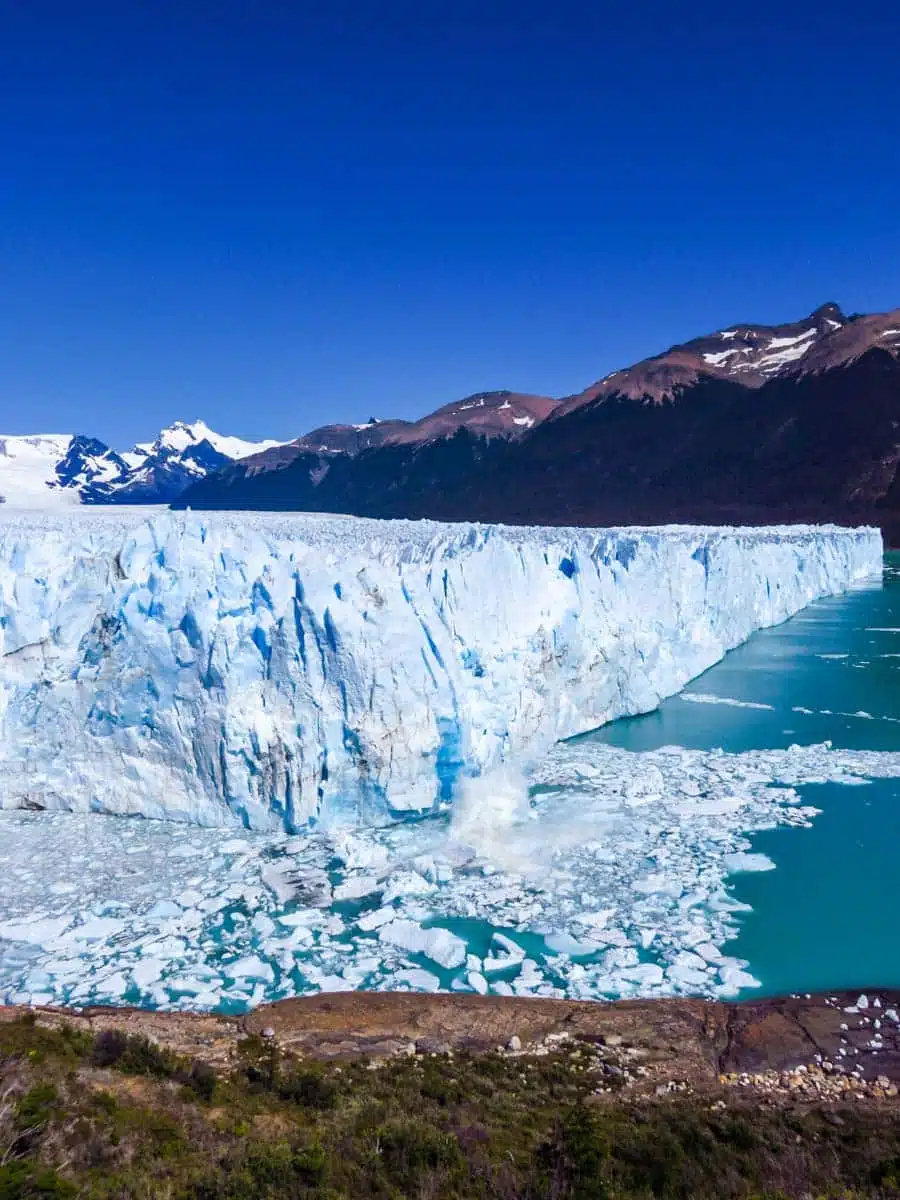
[183, 437]
[159, 471]
[54, 470]
[64, 470]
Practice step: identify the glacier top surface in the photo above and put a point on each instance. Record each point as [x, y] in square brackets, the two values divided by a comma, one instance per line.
[358, 532]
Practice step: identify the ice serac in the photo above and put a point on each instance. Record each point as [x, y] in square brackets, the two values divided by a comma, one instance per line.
[277, 670]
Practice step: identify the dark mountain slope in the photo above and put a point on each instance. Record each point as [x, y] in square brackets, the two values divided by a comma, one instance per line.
[806, 427]
[814, 447]
[394, 480]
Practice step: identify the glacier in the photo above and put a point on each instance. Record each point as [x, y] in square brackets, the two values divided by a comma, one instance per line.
[274, 671]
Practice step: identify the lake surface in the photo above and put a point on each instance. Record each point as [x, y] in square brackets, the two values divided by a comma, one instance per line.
[739, 840]
[827, 916]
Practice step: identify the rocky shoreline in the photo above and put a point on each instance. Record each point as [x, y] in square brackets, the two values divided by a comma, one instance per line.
[840, 1044]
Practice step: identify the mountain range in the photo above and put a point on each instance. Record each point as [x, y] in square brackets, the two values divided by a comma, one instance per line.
[53, 470]
[752, 423]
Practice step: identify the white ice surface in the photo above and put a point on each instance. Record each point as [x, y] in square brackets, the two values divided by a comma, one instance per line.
[275, 670]
[28, 476]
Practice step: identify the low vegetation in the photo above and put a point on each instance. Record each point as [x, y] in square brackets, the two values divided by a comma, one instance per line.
[117, 1116]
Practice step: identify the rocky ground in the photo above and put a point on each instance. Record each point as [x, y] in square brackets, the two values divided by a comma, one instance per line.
[847, 1042]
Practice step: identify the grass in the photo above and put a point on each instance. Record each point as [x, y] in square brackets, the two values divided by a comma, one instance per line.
[118, 1117]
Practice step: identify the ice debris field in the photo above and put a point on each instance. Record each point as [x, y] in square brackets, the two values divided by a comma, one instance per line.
[288, 692]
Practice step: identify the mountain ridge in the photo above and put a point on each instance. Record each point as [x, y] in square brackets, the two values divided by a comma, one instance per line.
[751, 422]
[799, 424]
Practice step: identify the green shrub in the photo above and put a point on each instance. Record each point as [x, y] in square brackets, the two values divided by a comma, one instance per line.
[265, 1171]
[576, 1155]
[202, 1080]
[308, 1088]
[260, 1062]
[410, 1149]
[132, 1054]
[37, 1106]
[24, 1038]
[26, 1180]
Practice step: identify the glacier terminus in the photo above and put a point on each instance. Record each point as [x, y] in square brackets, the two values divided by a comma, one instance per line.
[278, 671]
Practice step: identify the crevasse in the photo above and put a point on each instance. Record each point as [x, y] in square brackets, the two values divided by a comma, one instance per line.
[277, 670]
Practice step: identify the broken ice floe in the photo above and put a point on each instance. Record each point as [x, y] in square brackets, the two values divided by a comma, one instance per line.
[608, 878]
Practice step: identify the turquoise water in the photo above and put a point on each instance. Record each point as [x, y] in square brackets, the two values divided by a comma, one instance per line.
[827, 916]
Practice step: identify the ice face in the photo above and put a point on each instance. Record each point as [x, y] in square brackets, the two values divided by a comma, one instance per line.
[274, 671]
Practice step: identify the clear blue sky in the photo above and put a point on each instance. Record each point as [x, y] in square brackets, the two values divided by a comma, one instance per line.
[274, 215]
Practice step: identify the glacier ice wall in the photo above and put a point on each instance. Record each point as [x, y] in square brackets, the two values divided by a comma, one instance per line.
[273, 670]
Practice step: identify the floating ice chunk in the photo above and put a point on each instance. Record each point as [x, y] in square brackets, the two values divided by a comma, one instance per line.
[477, 982]
[863, 1002]
[708, 952]
[236, 846]
[250, 967]
[702, 698]
[114, 986]
[171, 948]
[300, 917]
[358, 853]
[375, 920]
[416, 980]
[741, 861]
[507, 946]
[734, 980]
[564, 943]
[440, 945]
[146, 971]
[39, 931]
[406, 883]
[263, 925]
[691, 977]
[97, 929]
[659, 884]
[357, 887]
[191, 987]
[596, 920]
[274, 878]
[645, 975]
[510, 955]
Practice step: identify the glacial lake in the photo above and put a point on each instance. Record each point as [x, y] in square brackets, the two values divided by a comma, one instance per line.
[826, 916]
[738, 841]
